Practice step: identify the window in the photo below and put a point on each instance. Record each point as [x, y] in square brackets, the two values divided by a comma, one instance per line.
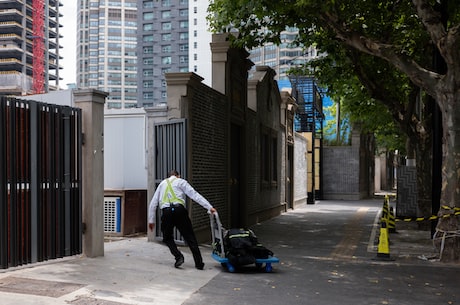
[183, 47]
[166, 60]
[166, 37]
[183, 24]
[148, 61]
[148, 50]
[183, 59]
[148, 38]
[147, 16]
[148, 84]
[269, 158]
[148, 72]
[183, 36]
[166, 49]
[166, 14]
[148, 95]
[183, 13]
[148, 27]
[148, 4]
[166, 26]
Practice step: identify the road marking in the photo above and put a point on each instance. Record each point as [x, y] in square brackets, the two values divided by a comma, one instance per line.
[353, 232]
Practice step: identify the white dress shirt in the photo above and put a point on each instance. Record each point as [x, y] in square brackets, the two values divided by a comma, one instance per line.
[182, 189]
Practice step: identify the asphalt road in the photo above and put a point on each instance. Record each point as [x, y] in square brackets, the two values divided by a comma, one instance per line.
[327, 255]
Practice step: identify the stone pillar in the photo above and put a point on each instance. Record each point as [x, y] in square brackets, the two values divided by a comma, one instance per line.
[154, 115]
[219, 50]
[178, 85]
[91, 102]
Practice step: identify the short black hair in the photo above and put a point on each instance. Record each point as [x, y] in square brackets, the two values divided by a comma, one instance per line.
[173, 173]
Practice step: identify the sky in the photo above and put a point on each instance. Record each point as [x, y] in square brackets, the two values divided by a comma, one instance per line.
[68, 42]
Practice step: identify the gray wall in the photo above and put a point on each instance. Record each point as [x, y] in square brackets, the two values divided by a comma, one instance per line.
[300, 170]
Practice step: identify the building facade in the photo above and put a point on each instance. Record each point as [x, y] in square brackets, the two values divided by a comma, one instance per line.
[173, 36]
[29, 46]
[106, 49]
[283, 57]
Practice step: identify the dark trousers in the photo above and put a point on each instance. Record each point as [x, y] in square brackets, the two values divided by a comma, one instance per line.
[178, 217]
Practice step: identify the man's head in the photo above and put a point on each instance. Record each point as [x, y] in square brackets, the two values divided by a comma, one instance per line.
[174, 173]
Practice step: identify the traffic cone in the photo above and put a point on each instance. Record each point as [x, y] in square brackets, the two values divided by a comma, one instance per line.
[391, 221]
[383, 249]
[385, 210]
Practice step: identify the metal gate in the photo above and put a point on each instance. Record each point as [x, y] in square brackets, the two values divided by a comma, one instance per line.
[40, 182]
[170, 147]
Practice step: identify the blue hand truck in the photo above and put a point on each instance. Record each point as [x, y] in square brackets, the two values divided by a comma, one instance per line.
[218, 248]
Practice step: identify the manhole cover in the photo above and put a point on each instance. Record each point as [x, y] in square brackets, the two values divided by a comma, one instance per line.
[37, 287]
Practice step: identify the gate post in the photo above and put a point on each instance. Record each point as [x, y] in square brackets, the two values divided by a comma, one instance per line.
[91, 102]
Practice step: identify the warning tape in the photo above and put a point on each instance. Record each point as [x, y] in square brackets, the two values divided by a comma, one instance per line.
[432, 217]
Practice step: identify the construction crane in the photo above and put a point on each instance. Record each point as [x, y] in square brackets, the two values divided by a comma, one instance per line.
[38, 67]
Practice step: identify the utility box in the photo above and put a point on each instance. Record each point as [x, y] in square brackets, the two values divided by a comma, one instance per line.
[125, 212]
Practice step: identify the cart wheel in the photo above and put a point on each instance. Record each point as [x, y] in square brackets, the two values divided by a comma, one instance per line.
[224, 265]
[259, 265]
[230, 268]
[268, 268]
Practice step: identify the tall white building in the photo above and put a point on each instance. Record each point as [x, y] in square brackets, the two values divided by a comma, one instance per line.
[106, 49]
[200, 60]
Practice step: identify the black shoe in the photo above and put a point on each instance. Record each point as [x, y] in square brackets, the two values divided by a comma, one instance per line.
[179, 262]
[200, 266]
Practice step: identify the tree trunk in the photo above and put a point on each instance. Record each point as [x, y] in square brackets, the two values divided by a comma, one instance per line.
[447, 236]
[424, 176]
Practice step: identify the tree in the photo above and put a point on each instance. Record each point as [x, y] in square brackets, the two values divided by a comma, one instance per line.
[386, 107]
[388, 30]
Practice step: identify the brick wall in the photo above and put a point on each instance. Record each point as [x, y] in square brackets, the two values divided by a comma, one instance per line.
[340, 172]
[348, 170]
[208, 133]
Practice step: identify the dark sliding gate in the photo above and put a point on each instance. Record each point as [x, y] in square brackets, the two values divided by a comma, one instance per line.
[170, 153]
[40, 182]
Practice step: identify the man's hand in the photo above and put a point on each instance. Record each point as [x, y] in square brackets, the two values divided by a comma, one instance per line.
[151, 226]
[212, 210]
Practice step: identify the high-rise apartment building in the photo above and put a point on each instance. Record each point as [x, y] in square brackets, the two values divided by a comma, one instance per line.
[29, 46]
[163, 46]
[283, 57]
[106, 49]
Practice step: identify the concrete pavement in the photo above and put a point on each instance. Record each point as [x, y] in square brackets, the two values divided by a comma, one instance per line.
[325, 249]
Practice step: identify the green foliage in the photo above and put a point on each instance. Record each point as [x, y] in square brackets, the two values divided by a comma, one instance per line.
[372, 92]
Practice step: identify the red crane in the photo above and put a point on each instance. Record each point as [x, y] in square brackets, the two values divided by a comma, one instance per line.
[38, 67]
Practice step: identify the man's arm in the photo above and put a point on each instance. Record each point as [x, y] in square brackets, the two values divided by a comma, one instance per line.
[197, 197]
[153, 208]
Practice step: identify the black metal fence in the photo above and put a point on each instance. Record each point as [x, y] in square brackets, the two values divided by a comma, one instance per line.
[40, 182]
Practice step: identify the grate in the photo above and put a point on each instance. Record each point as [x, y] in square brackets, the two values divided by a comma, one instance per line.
[112, 214]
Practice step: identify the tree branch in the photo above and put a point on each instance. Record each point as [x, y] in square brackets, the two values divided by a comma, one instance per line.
[420, 76]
